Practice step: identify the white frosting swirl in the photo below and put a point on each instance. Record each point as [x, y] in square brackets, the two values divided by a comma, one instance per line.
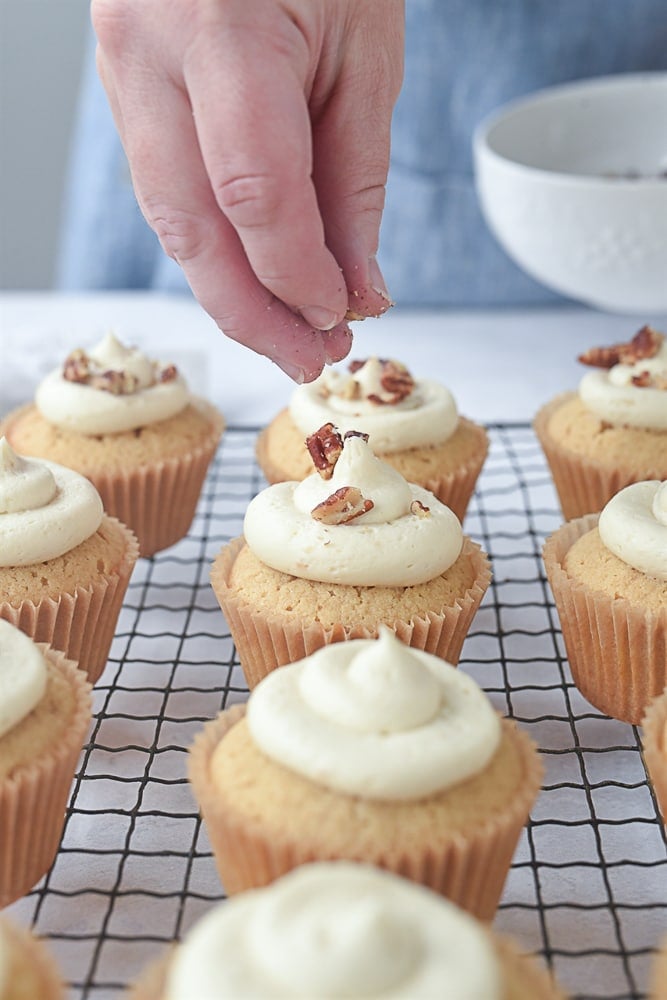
[427, 416]
[611, 395]
[388, 546]
[633, 525]
[45, 509]
[376, 718]
[85, 409]
[22, 677]
[336, 930]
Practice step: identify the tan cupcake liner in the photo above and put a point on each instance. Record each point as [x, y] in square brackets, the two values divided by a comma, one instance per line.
[454, 489]
[158, 502]
[264, 641]
[659, 972]
[33, 799]
[82, 623]
[654, 749]
[523, 976]
[583, 485]
[469, 869]
[33, 970]
[617, 652]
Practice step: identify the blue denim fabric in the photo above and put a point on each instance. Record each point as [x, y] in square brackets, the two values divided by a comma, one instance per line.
[463, 59]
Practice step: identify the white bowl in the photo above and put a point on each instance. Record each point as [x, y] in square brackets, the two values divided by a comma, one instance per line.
[572, 181]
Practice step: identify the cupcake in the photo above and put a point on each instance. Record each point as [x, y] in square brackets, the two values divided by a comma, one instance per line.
[131, 426]
[613, 432]
[343, 930]
[654, 748]
[412, 424]
[659, 973]
[45, 712]
[349, 548]
[27, 970]
[367, 751]
[64, 564]
[608, 575]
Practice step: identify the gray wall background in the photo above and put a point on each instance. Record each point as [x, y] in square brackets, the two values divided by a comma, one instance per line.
[41, 50]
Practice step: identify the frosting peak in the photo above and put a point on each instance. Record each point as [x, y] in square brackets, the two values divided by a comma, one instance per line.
[22, 676]
[358, 523]
[633, 525]
[110, 389]
[45, 509]
[381, 399]
[336, 930]
[376, 718]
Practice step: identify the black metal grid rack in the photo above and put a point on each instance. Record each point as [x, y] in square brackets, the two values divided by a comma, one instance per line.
[588, 887]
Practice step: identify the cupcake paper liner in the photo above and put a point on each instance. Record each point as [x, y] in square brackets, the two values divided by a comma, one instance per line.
[264, 641]
[583, 485]
[654, 748]
[81, 624]
[34, 798]
[469, 869]
[158, 502]
[617, 652]
[33, 965]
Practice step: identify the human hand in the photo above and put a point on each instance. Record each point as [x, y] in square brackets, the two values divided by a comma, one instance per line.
[257, 134]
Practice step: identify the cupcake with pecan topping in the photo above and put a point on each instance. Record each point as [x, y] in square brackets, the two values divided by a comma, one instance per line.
[130, 425]
[349, 548]
[613, 431]
[412, 424]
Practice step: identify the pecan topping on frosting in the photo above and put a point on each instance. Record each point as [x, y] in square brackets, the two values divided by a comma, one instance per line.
[343, 506]
[649, 380]
[325, 447]
[645, 344]
[419, 508]
[81, 367]
[395, 380]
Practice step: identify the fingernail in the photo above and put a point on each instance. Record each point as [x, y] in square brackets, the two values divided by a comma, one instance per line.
[320, 318]
[377, 281]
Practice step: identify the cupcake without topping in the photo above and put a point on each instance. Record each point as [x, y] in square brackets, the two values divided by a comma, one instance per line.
[64, 564]
[27, 969]
[340, 930]
[413, 425]
[367, 751]
[45, 712]
[608, 574]
[335, 556]
[130, 425]
[613, 432]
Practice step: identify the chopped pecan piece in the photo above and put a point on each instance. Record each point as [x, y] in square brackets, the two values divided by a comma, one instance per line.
[649, 380]
[344, 505]
[167, 374]
[76, 367]
[325, 447]
[116, 382]
[645, 344]
[355, 434]
[420, 509]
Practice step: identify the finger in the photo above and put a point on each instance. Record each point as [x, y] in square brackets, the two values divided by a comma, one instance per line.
[351, 154]
[175, 196]
[262, 179]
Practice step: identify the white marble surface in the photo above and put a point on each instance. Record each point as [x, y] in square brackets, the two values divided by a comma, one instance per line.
[500, 364]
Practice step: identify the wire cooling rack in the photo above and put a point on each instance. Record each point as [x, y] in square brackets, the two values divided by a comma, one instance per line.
[588, 887]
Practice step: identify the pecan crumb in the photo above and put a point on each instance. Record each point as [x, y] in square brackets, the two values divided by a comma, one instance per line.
[649, 380]
[420, 509]
[356, 434]
[76, 367]
[645, 344]
[325, 446]
[342, 506]
[167, 374]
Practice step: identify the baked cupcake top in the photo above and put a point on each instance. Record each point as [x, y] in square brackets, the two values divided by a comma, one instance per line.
[374, 718]
[381, 399]
[336, 929]
[45, 509]
[109, 389]
[354, 521]
[633, 526]
[23, 677]
[630, 387]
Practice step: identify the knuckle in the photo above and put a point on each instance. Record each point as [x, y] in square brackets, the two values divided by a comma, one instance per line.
[250, 201]
[180, 232]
